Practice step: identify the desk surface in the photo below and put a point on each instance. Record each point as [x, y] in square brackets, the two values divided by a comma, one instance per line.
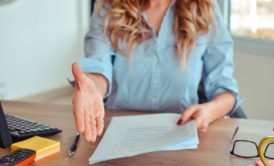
[214, 147]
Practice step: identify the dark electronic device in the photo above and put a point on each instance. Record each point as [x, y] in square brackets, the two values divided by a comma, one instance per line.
[20, 157]
[5, 138]
[17, 129]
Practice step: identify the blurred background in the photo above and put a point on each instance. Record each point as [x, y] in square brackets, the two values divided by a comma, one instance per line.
[253, 18]
[40, 39]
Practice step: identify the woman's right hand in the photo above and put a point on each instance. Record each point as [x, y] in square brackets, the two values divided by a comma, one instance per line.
[88, 107]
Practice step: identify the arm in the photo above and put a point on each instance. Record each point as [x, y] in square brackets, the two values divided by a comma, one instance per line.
[220, 106]
[220, 87]
[93, 80]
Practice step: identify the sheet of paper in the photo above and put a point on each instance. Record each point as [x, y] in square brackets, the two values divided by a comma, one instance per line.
[185, 144]
[132, 135]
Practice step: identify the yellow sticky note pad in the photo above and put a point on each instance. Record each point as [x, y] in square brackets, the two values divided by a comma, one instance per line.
[43, 146]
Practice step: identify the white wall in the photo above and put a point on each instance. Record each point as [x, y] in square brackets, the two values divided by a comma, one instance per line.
[255, 74]
[39, 39]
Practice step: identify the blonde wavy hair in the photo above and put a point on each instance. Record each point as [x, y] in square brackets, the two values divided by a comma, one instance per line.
[124, 22]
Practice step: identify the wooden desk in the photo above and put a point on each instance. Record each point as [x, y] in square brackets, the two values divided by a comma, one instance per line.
[214, 148]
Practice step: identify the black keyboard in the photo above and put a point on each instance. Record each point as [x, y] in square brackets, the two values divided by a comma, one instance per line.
[21, 128]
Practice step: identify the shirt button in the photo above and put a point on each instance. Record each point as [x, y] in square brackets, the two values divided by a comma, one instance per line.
[155, 82]
[157, 60]
[155, 52]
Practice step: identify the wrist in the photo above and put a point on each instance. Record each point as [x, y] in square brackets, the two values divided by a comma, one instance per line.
[210, 109]
[99, 83]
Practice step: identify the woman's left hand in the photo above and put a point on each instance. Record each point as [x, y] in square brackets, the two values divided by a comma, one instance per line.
[200, 113]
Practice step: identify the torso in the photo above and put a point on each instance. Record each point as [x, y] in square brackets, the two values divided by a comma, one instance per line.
[153, 80]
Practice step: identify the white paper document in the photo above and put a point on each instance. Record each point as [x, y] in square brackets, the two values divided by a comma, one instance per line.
[132, 135]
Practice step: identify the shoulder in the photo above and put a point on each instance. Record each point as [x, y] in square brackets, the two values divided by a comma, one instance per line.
[218, 31]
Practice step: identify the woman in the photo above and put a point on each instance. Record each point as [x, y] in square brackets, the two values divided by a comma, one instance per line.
[151, 55]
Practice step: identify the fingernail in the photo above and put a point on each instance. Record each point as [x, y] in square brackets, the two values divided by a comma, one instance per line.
[179, 122]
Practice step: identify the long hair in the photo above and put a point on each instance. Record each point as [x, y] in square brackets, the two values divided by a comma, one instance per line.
[124, 22]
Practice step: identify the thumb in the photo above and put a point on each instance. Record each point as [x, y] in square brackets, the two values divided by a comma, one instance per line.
[77, 72]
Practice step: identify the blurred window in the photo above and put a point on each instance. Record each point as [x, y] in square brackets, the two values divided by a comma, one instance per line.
[252, 18]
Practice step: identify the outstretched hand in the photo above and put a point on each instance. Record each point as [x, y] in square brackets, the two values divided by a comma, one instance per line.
[88, 107]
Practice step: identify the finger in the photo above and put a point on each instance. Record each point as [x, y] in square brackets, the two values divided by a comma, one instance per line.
[201, 132]
[100, 116]
[87, 133]
[77, 73]
[100, 125]
[202, 129]
[187, 115]
[204, 126]
[78, 113]
[101, 108]
[199, 121]
[93, 129]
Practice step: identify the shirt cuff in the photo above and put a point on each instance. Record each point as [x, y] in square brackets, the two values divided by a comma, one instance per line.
[234, 92]
[92, 66]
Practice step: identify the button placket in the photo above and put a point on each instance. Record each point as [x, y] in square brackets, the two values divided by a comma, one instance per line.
[155, 82]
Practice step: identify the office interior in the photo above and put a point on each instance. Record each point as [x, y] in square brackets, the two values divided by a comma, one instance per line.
[40, 39]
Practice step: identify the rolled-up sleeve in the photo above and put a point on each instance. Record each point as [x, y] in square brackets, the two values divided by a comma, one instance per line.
[218, 61]
[98, 50]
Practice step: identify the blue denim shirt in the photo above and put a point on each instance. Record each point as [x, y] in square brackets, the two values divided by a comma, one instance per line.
[153, 79]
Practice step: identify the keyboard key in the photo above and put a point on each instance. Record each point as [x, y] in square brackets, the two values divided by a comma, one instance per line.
[22, 128]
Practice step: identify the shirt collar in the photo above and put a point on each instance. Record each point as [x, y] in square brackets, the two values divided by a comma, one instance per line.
[144, 13]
